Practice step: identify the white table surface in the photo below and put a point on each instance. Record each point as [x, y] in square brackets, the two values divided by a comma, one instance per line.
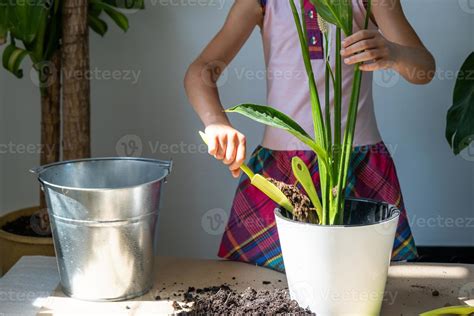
[31, 287]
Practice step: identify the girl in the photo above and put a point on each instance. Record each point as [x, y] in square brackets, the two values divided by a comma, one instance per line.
[389, 43]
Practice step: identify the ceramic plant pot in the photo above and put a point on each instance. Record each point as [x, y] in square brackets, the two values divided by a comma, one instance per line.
[340, 270]
[13, 246]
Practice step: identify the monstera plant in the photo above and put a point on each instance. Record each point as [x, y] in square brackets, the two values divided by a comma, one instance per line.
[53, 34]
[460, 118]
[333, 152]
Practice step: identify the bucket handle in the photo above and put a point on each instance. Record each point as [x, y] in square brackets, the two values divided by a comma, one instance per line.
[36, 171]
[168, 164]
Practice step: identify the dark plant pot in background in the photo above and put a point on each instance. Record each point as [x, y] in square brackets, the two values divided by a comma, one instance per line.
[13, 246]
[341, 269]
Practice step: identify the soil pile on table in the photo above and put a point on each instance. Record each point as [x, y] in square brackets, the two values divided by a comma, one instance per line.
[303, 208]
[225, 301]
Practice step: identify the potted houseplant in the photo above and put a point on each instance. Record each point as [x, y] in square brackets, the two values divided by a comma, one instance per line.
[54, 35]
[336, 250]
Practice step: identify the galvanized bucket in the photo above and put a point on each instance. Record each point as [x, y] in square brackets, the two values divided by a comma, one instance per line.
[103, 214]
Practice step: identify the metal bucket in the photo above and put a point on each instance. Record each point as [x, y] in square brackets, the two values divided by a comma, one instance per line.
[103, 216]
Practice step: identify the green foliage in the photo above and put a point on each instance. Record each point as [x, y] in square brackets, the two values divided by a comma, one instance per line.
[12, 58]
[274, 118]
[460, 118]
[337, 12]
[3, 21]
[26, 19]
[118, 17]
[37, 25]
[302, 174]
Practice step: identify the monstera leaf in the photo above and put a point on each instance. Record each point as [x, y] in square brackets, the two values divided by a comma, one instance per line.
[337, 12]
[460, 118]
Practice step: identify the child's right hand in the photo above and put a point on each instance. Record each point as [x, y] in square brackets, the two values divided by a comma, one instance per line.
[227, 144]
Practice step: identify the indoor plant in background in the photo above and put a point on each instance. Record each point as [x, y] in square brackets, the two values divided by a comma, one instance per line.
[460, 118]
[54, 35]
[460, 135]
[336, 250]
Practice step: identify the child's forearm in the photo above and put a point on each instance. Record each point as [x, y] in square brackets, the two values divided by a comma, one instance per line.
[415, 64]
[201, 88]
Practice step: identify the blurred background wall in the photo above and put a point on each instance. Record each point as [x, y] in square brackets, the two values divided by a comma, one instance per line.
[139, 108]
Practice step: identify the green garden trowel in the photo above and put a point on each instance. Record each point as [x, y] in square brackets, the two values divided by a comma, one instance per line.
[263, 184]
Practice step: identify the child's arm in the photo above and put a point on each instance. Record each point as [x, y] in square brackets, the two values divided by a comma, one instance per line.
[225, 143]
[397, 46]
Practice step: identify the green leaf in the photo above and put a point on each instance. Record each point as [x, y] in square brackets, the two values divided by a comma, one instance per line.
[97, 25]
[302, 174]
[12, 58]
[127, 4]
[337, 12]
[274, 118]
[460, 118]
[118, 17]
[26, 17]
[3, 21]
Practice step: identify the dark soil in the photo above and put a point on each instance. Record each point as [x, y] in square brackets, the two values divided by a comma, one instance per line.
[222, 300]
[25, 226]
[434, 292]
[303, 208]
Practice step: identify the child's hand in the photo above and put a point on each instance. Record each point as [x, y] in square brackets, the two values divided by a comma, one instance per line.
[369, 46]
[227, 144]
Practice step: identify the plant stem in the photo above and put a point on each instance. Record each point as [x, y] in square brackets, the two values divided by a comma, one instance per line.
[348, 142]
[337, 97]
[319, 132]
[327, 108]
[346, 149]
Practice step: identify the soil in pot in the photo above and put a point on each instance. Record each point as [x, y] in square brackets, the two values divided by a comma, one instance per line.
[304, 210]
[25, 226]
[223, 300]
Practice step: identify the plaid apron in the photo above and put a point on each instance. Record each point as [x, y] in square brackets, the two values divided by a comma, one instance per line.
[251, 234]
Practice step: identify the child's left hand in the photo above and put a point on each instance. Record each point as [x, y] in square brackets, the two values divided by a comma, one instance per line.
[371, 48]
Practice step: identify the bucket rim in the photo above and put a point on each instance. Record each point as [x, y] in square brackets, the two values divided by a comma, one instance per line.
[167, 164]
[394, 215]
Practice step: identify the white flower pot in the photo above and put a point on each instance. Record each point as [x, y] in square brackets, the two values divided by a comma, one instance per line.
[340, 270]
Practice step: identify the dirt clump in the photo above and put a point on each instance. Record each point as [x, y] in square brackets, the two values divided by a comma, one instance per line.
[303, 208]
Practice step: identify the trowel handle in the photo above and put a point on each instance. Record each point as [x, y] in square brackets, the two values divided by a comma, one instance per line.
[243, 167]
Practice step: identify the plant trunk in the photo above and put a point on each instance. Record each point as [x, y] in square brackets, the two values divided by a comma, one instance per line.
[76, 85]
[50, 83]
